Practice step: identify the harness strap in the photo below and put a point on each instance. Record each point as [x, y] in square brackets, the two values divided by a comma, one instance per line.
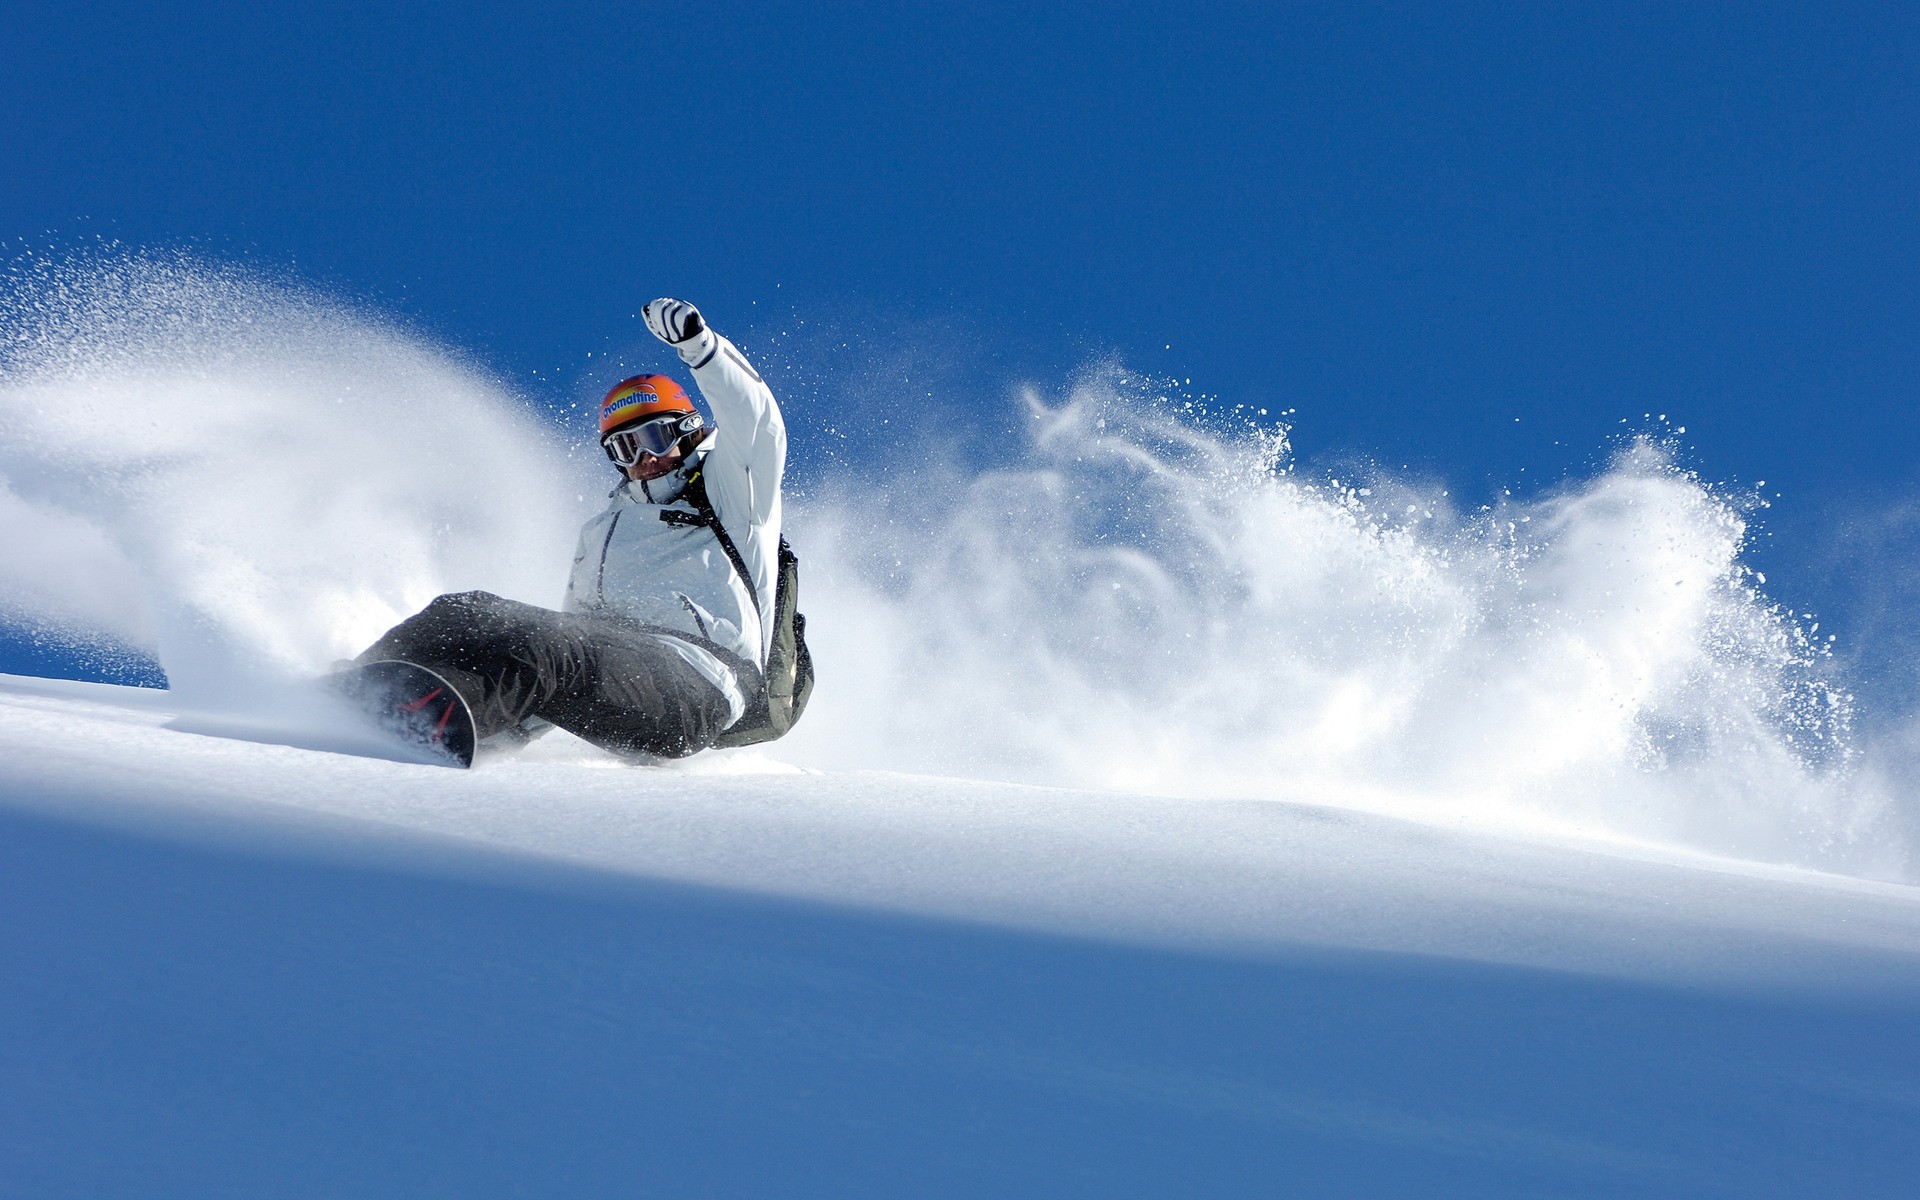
[696, 495]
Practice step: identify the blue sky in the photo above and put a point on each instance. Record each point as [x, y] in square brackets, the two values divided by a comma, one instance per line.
[1412, 225]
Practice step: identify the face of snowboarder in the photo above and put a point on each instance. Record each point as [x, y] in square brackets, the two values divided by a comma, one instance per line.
[650, 449]
[652, 466]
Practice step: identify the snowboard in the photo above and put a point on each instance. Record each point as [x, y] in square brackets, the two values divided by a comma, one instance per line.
[414, 705]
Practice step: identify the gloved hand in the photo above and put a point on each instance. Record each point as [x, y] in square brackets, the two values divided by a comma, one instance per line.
[674, 322]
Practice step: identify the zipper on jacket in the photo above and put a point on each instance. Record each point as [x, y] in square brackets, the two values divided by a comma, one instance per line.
[600, 580]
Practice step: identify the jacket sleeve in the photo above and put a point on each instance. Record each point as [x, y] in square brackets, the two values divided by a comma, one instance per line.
[750, 452]
[747, 459]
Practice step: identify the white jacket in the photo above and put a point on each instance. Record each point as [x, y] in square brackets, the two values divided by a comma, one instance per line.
[674, 576]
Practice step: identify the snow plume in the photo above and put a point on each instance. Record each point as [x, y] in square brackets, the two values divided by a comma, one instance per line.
[1141, 603]
[246, 478]
[249, 480]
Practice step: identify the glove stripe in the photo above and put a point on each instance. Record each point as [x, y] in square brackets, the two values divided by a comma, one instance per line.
[670, 320]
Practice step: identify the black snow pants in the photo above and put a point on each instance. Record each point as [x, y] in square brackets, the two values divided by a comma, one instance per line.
[601, 678]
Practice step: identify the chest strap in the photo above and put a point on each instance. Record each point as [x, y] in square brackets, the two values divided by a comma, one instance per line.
[703, 514]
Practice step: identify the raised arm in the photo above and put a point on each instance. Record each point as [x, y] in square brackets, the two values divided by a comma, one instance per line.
[751, 448]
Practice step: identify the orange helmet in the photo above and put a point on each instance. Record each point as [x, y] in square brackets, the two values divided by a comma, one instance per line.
[648, 414]
[640, 398]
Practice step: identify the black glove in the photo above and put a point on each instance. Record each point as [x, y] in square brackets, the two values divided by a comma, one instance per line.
[673, 321]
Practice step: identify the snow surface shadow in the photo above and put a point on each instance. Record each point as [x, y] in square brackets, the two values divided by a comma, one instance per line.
[200, 1019]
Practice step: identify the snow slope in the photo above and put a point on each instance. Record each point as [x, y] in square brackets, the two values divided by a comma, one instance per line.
[1165, 822]
[236, 966]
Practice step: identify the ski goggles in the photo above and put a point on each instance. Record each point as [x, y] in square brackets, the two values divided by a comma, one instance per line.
[657, 437]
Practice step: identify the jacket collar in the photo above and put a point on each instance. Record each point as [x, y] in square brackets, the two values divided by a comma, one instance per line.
[664, 489]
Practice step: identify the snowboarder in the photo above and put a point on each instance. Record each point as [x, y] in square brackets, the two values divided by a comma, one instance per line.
[659, 646]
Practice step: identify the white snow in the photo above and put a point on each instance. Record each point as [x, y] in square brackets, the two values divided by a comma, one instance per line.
[1244, 876]
[239, 966]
